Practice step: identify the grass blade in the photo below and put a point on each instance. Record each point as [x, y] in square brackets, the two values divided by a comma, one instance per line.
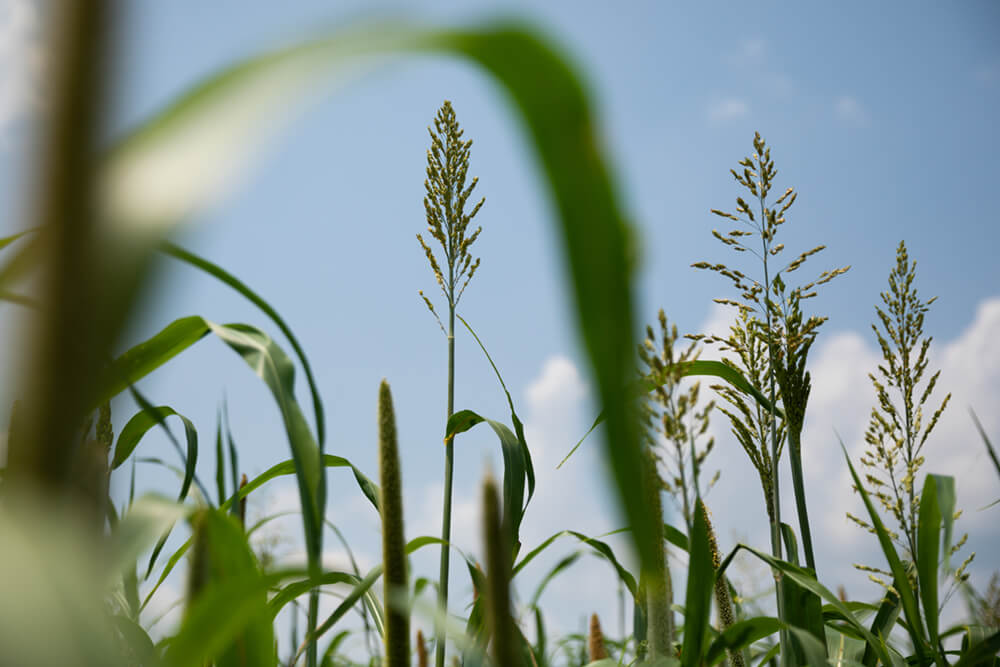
[515, 470]
[928, 552]
[900, 580]
[232, 281]
[740, 635]
[986, 441]
[697, 367]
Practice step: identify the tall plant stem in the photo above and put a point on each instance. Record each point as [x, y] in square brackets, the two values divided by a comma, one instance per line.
[449, 462]
[775, 495]
[795, 458]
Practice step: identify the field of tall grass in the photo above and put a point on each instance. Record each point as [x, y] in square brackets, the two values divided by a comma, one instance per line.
[73, 560]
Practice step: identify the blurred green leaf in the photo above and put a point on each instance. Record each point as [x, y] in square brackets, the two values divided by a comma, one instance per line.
[740, 635]
[597, 545]
[698, 600]
[227, 617]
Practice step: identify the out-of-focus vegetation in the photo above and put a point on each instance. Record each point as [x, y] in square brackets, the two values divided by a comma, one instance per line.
[71, 558]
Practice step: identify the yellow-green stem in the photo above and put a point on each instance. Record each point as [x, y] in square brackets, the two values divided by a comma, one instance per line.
[449, 462]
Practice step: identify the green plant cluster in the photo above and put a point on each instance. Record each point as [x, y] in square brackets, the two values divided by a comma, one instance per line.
[54, 500]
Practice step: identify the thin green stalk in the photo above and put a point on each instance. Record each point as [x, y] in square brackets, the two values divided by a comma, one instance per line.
[449, 462]
[795, 458]
[447, 223]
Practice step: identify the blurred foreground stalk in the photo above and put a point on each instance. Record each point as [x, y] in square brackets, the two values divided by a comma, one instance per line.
[74, 333]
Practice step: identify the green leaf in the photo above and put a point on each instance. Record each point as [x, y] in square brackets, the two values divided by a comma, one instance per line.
[143, 359]
[141, 423]
[220, 460]
[698, 600]
[147, 518]
[900, 580]
[232, 281]
[559, 567]
[227, 618]
[368, 487]
[365, 584]
[981, 654]
[928, 552]
[514, 419]
[802, 607]
[515, 468]
[698, 367]
[986, 441]
[597, 545]
[740, 635]
[805, 579]
[885, 618]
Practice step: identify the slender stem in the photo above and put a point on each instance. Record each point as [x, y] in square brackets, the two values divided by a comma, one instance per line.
[313, 622]
[795, 457]
[775, 496]
[449, 459]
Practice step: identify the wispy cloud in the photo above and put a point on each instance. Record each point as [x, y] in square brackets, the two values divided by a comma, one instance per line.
[850, 110]
[728, 109]
[750, 52]
[21, 62]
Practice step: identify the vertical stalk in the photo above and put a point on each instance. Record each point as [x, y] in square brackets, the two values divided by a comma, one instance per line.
[449, 462]
[775, 471]
[67, 351]
[661, 618]
[795, 458]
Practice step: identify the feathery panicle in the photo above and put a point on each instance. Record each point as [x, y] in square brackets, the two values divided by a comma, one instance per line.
[447, 194]
[501, 625]
[750, 422]
[397, 620]
[897, 431]
[674, 415]
[595, 640]
[771, 326]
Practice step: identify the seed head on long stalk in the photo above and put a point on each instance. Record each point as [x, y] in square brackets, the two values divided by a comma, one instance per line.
[897, 431]
[444, 203]
[772, 337]
[448, 223]
[397, 619]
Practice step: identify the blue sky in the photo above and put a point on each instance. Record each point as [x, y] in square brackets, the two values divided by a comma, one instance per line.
[881, 116]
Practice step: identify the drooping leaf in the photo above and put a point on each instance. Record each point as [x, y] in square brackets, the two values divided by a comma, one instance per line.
[901, 581]
[515, 468]
[740, 635]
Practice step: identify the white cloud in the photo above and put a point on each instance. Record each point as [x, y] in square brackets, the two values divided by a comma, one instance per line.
[840, 403]
[850, 110]
[727, 109]
[21, 61]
